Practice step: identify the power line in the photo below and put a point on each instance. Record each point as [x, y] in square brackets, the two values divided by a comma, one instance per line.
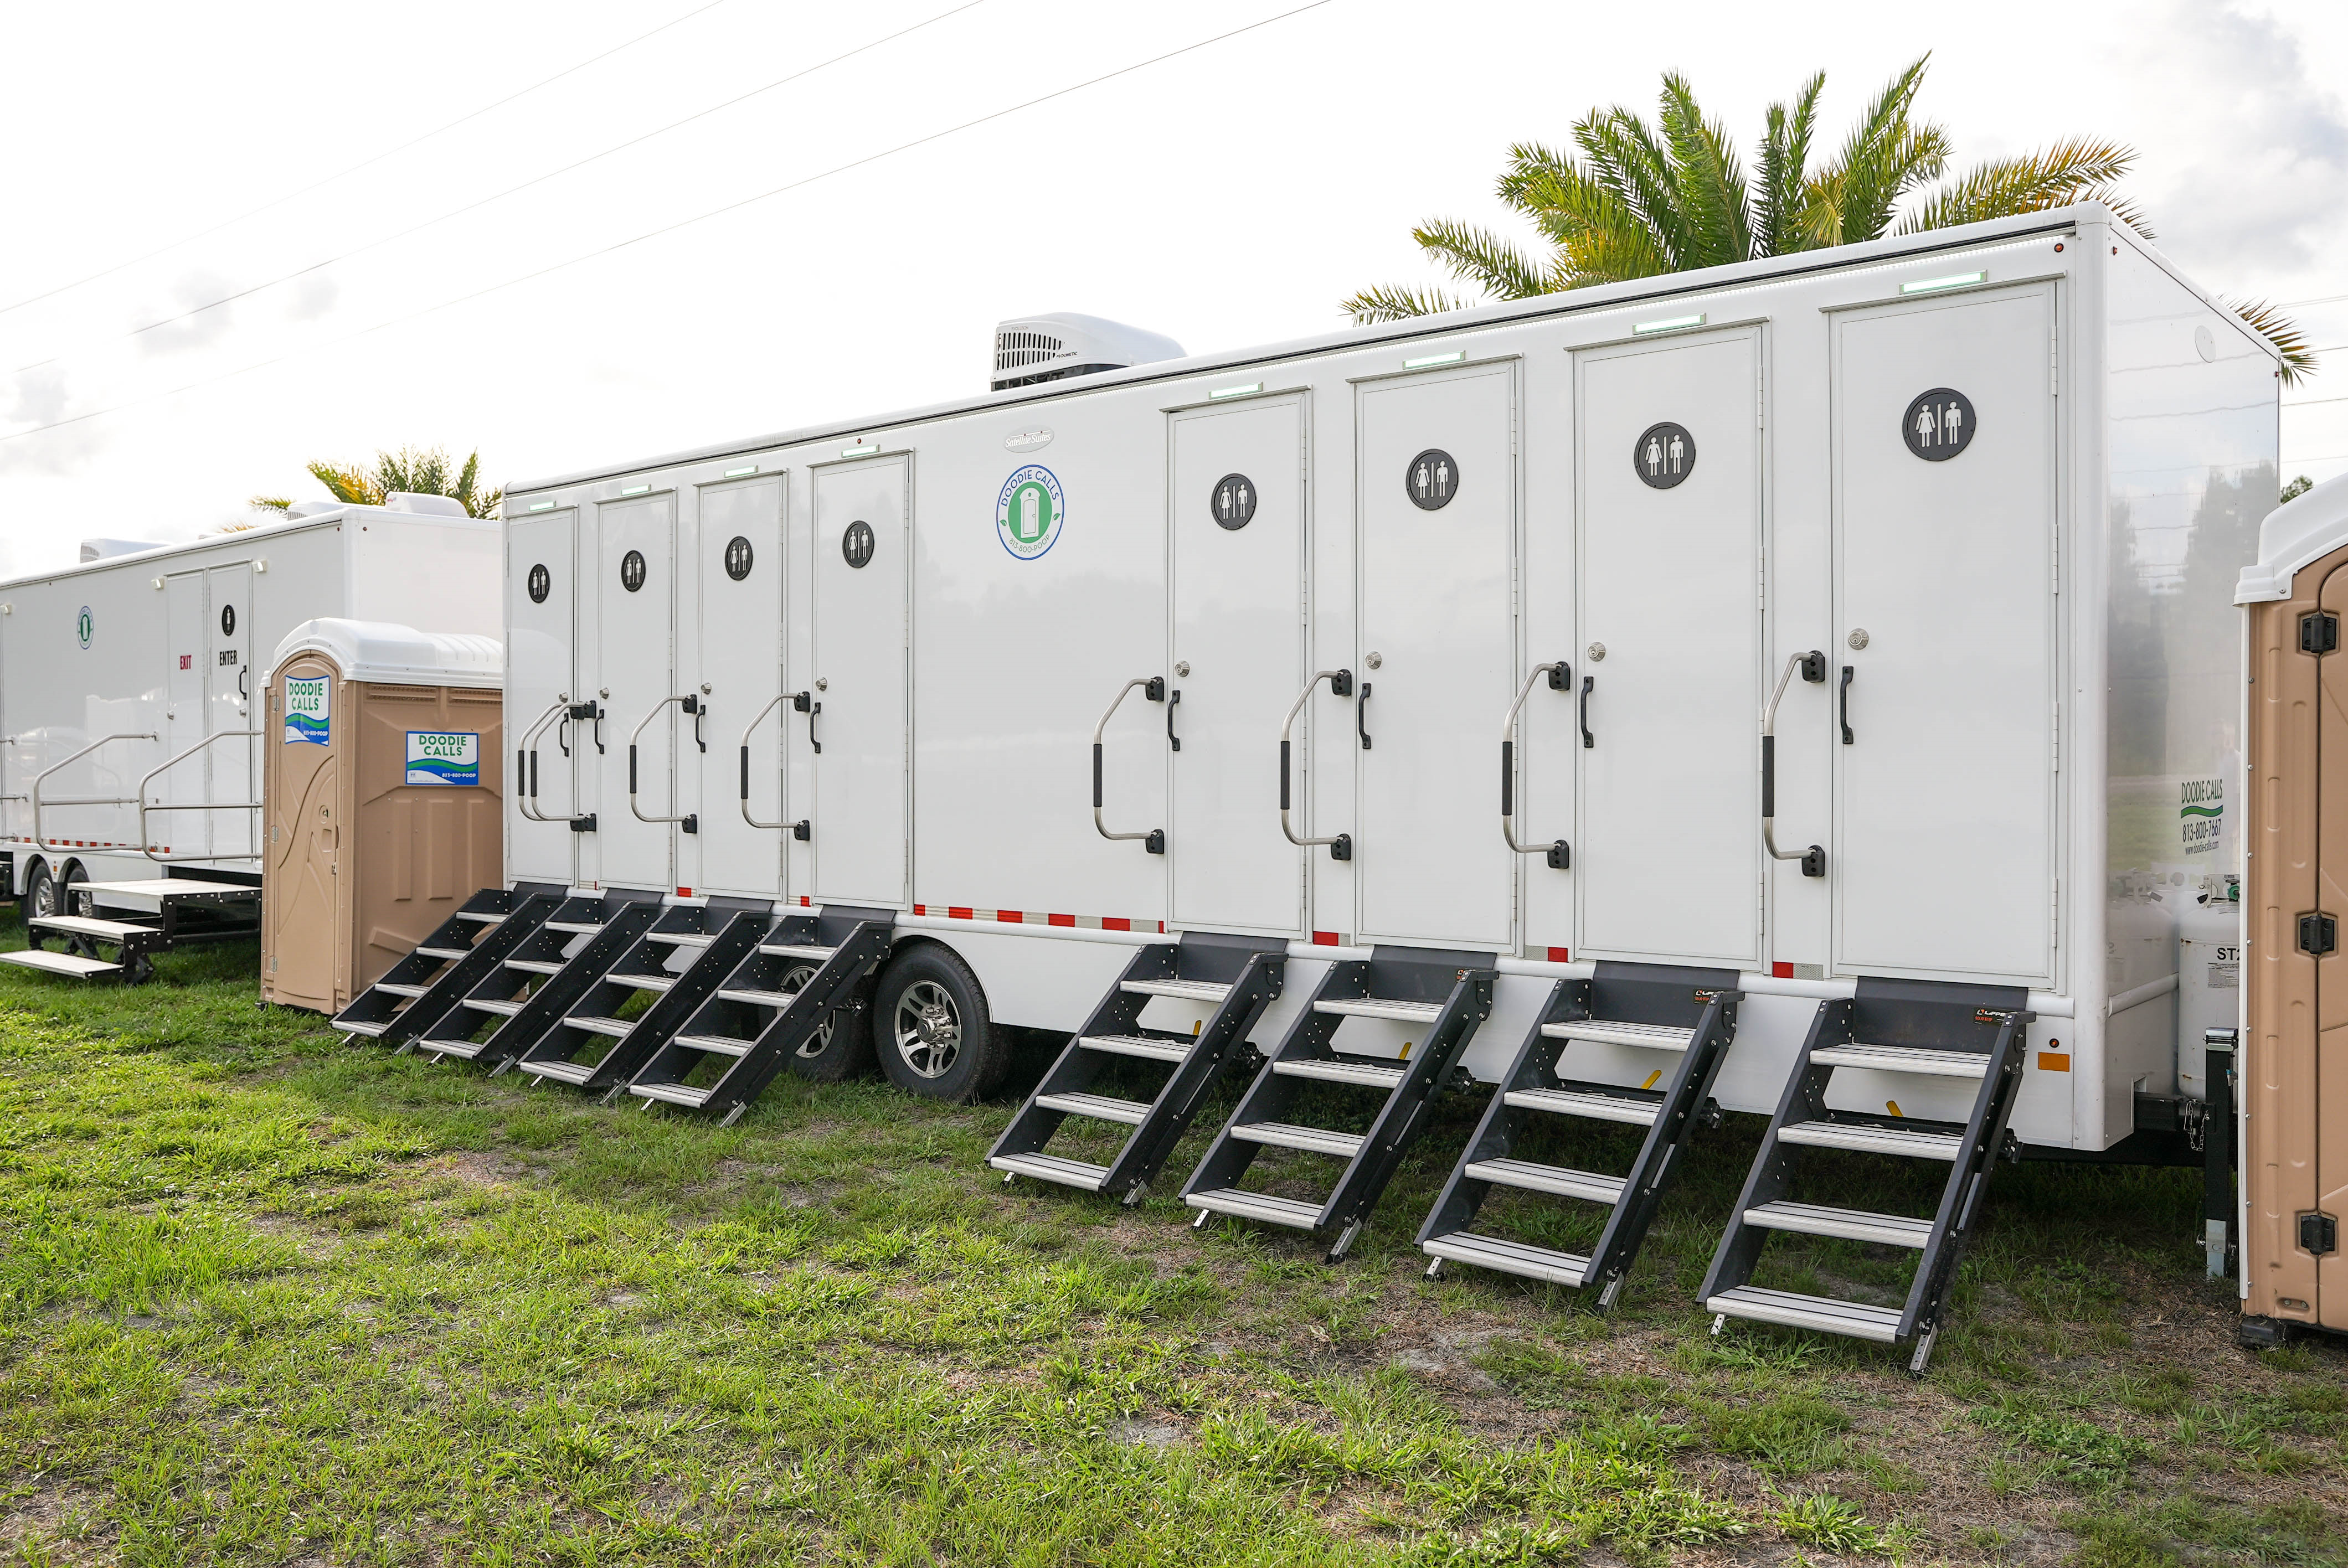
[377, 244]
[362, 163]
[667, 229]
[2295, 304]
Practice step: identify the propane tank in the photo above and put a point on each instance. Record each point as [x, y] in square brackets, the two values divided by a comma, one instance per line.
[2208, 975]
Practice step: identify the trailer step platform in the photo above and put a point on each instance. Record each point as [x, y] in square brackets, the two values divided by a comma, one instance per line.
[423, 987]
[1239, 976]
[1687, 1011]
[592, 1045]
[763, 1012]
[167, 912]
[521, 1000]
[1449, 993]
[1932, 1029]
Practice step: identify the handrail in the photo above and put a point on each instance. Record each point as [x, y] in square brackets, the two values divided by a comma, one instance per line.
[42, 839]
[1341, 684]
[147, 844]
[690, 820]
[525, 783]
[1153, 691]
[780, 699]
[1560, 678]
[1813, 666]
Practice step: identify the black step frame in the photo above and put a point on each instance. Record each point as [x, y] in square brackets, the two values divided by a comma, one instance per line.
[1918, 1014]
[1254, 967]
[525, 906]
[626, 916]
[1703, 1000]
[1465, 980]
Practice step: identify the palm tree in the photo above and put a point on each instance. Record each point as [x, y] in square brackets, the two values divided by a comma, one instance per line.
[416, 471]
[1644, 199]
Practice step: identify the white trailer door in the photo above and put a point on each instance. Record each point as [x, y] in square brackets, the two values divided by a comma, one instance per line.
[542, 590]
[635, 586]
[741, 548]
[1667, 860]
[186, 683]
[1437, 486]
[860, 634]
[1238, 532]
[228, 707]
[1944, 856]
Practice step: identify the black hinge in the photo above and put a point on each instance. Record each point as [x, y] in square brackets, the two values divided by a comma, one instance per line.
[2319, 1234]
[2318, 934]
[2319, 633]
[584, 823]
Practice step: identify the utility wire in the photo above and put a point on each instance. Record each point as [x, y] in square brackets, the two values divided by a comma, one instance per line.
[454, 212]
[364, 163]
[667, 229]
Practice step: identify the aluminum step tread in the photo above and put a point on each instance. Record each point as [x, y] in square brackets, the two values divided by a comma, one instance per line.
[795, 950]
[372, 1030]
[1381, 1007]
[715, 1044]
[1052, 1168]
[1850, 1225]
[680, 939]
[400, 988]
[72, 964]
[1247, 1205]
[490, 1004]
[579, 927]
[1363, 1074]
[1312, 1140]
[536, 966]
[561, 1071]
[481, 917]
[760, 999]
[1509, 1258]
[1137, 1045]
[1873, 1139]
[1640, 1036]
[671, 1094]
[1555, 1179]
[618, 1028]
[1182, 990]
[1905, 1059]
[89, 926]
[642, 982]
[1099, 1107]
[466, 1049]
[445, 955]
[1856, 1318]
[1596, 1107]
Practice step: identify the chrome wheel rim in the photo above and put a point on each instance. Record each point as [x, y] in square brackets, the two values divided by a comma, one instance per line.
[928, 1029]
[792, 984]
[45, 894]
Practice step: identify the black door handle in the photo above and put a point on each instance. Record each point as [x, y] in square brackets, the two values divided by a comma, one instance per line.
[1362, 716]
[1172, 740]
[805, 703]
[562, 734]
[1845, 697]
[1588, 740]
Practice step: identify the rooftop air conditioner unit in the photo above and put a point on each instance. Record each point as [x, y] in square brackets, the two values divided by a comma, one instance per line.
[1030, 349]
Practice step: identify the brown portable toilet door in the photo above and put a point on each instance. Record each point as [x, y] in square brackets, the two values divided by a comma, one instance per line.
[307, 920]
[2330, 1096]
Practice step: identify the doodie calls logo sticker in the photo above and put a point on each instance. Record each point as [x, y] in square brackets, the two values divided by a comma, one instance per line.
[1028, 514]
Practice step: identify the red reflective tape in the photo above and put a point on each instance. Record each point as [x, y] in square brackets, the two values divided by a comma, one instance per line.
[803, 901]
[957, 912]
[1325, 938]
[1111, 923]
[1060, 919]
[1009, 916]
[1781, 971]
[1560, 956]
[684, 892]
[921, 909]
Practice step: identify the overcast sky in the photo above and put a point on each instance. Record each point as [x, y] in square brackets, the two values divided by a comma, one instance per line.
[1229, 195]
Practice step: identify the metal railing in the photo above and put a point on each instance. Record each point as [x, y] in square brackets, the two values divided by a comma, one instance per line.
[43, 777]
[147, 842]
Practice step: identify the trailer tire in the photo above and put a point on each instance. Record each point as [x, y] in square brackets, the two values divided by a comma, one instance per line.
[930, 1028]
[842, 1046]
[70, 902]
[40, 897]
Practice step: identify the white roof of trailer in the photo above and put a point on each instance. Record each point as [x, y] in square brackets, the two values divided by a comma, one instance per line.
[319, 516]
[387, 654]
[1605, 297]
[2301, 530]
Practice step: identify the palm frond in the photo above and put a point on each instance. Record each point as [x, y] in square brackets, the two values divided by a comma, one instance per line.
[1481, 257]
[352, 485]
[1624, 160]
[1784, 168]
[270, 503]
[488, 506]
[1886, 154]
[2299, 360]
[1600, 238]
[2071, 170]
[1396, 302]
[1712, 198]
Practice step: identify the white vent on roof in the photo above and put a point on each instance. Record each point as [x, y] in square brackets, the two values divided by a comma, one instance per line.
[428, 506]
[1050, 347]
[98, 549]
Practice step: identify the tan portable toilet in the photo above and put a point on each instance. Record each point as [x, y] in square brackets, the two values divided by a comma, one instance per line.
[2292, 1066]
[383, 791]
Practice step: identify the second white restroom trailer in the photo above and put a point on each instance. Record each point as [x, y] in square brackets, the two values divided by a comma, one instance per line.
[128, 690]
[1839, 633]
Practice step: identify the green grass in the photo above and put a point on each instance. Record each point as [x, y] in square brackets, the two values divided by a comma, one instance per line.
[269, 1298]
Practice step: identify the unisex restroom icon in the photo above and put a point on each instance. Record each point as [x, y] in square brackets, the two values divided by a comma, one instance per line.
[1432, 479]
[1664, 455]
[738, 558]
[1939, 424]
[541, 583]
[856, 545]
[1234, 501]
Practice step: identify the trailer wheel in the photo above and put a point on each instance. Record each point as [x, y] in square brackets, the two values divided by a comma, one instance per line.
[842, 1046]
[40, 898]
[931, 1027]
[69, 901]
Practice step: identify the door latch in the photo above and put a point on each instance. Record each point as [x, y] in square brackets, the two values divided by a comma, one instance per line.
[2319, 1234]
[2319, 934]
[2319, 633]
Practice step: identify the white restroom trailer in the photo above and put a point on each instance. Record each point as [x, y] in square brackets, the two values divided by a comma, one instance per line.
[2001, 478]
[128, 689]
